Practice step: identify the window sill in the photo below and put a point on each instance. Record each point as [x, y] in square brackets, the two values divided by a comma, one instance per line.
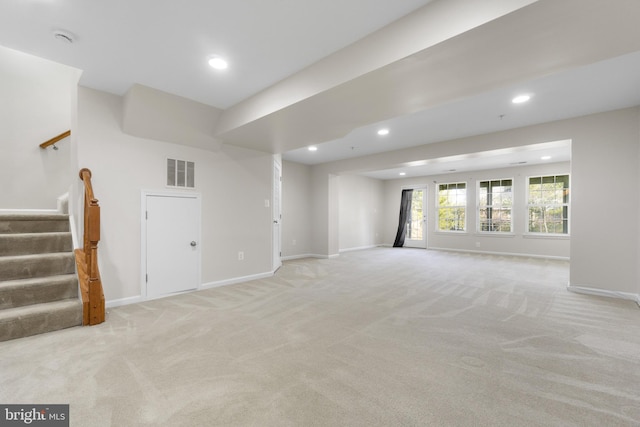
[547, 236]
[452, 233]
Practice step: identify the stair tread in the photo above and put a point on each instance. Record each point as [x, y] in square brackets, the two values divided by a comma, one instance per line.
[58, 278]
[51, 255]
[16, 267]
[42, 234]
[12, 223]
[42, 308]
[16, 244]
[33, 217]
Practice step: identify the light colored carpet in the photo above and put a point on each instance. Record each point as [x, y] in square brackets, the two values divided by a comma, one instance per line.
[378, 337]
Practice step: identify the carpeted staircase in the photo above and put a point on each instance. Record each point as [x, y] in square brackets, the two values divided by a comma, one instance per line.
[38, 284]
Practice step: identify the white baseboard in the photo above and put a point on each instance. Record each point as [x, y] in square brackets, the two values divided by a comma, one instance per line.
[140, 298]
[235, 280]
[604, 293]
[558, 258]
[123, 301]
[359, 248]
[301, 256]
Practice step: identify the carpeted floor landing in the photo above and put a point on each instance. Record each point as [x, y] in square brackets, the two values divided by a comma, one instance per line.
[382, 337]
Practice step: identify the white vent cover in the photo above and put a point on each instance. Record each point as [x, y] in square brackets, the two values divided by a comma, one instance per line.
[181, 173]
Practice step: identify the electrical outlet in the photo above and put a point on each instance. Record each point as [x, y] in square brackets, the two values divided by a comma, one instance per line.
[266, 203]
[241, 256]
[477, 244]
[294, 242]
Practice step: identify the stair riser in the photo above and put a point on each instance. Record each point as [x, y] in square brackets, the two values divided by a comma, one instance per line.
[36, 226]
[24, 326]
[13, 269]
[20, 295]
[25, 244]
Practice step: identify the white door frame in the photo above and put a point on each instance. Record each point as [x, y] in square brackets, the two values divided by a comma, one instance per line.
[276, 216]
[423, 244]
[143, 234]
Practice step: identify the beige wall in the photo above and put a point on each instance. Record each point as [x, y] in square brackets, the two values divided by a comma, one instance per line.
[233, 184]
[360, 206]
[36, 106]
[605, 225]
[296, 210]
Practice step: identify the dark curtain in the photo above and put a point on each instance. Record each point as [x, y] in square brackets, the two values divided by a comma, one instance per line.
[405, 216]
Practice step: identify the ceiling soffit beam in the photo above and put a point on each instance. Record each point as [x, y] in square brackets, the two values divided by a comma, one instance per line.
[154, 114]
[432, 24]
[540, 39]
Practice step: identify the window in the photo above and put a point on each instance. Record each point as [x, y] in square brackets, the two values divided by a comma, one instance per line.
[548, 204]
[494, 207]
[180, 173]
[452, 206]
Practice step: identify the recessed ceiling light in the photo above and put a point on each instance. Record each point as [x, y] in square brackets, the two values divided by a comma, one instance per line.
[218, 63]
[520, 99]
[545, 158]
[402, 173]
[383, 132]
[312, 148]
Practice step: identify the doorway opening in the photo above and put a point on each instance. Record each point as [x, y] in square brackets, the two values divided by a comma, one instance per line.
[412, 231]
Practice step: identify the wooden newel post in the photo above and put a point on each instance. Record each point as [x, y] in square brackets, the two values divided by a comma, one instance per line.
[93, 297]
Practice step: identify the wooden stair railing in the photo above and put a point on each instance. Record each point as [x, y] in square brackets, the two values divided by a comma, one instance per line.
[93, 309]
[55, 139]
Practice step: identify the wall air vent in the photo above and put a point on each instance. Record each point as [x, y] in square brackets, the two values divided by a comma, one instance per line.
[181, 173]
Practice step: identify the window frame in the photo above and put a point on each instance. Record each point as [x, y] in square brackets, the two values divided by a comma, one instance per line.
[565, 205]
[491, 207]
[464, 207]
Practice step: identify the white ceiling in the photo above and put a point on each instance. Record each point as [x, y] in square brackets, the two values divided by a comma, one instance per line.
[603, 86]
[166, 44]
[575, 57]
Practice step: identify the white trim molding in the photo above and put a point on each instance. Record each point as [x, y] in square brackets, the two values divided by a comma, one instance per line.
[604, 293]
[556, 258]
[301, 256]
[359, 248]
[235, 280]
[124, 301]
[140, 298]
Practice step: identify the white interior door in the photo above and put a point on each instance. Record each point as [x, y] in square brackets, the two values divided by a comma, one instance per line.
[416, 236]
[172, 244]
[277, 215]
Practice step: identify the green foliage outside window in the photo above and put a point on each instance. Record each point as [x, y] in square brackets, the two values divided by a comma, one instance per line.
[452, 206]
[495, 203]
[549, 204]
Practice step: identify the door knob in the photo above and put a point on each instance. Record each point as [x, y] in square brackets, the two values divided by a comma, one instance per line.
[193, 243]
